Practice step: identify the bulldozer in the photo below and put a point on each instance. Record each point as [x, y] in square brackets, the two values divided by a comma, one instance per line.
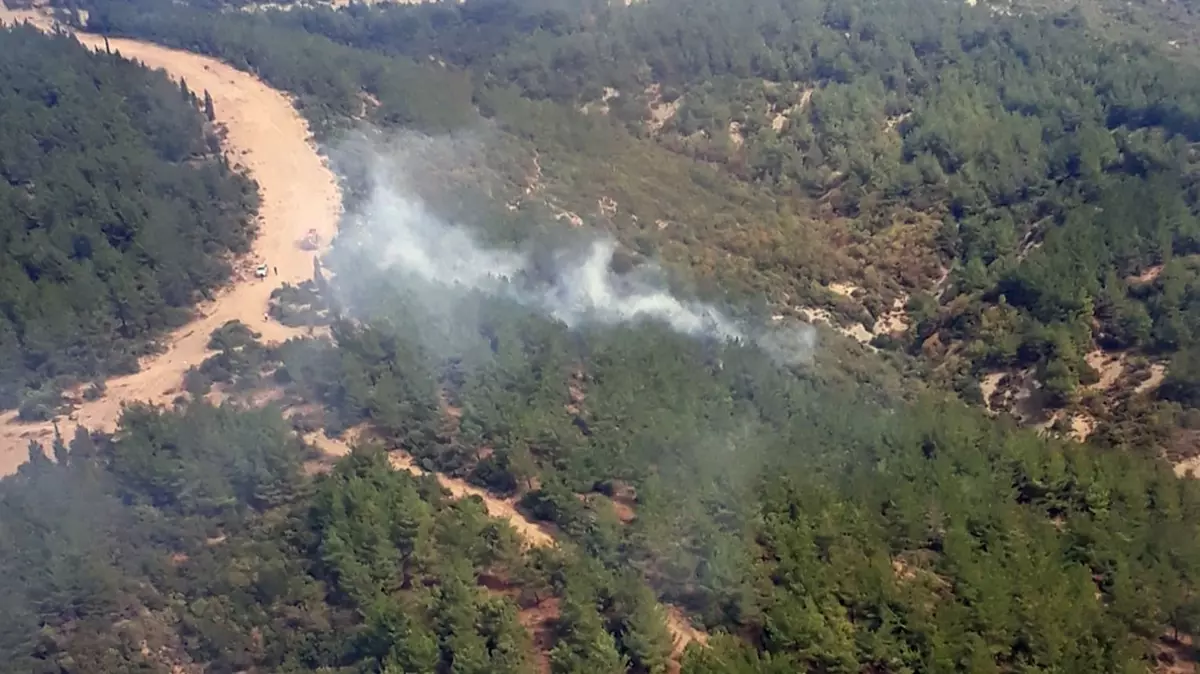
[311, 240]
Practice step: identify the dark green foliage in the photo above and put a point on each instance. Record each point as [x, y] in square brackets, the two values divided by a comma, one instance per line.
[584, 648]
[299, 306]
[193, 536]
[116, 212]
[409, 567]
[249, 459]
[837, 534]
[829, 533]
[1182, 385]
[332, 82]
[240, 364]
[88, 540]
[39, 405]
[232, 335]
[820, 526]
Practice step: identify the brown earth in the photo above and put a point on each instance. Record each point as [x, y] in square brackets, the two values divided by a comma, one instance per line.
[1174, 654]
[266, 135]
[683, 632]
[539, 620]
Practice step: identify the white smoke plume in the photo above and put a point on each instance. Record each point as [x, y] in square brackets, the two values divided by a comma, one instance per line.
[401, 234]
[395, 230]
[591, 291]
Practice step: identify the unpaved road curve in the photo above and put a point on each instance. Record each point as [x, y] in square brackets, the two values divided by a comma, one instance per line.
[267, 136]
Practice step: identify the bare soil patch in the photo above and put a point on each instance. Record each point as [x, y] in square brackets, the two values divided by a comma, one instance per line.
[661, 112]
[683, 631]
[855, 331]
[532, 533]
[1174, 655]
[1148, 275]
[895, 321]
[1189, 467]
[1158, 372]
[539, 620]
[1109, 366]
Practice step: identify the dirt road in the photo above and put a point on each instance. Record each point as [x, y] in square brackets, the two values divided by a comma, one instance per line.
[533, 534]
[267, 136]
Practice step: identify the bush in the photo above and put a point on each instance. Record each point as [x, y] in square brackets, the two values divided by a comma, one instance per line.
[234, 334]
[197, 383]
[39, 406]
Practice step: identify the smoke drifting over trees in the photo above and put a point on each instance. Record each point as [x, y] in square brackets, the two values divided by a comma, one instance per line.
[393, 230]
[810, 523]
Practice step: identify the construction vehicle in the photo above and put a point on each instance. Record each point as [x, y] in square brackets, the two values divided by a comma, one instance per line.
[311, 240]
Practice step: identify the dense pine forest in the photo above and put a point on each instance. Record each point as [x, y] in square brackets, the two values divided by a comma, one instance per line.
[1017, 182]
[117, 212]
[805, 528]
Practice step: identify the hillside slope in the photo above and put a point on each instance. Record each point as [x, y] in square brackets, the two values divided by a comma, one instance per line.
[988, 190]
[811, 516]
[263, 133]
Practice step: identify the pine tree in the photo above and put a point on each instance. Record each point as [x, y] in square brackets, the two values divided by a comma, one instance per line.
[61, 455]
[38, 461]
[83, 448]
[462, 645]
[645, 638]
[584, 647]
[508, 640]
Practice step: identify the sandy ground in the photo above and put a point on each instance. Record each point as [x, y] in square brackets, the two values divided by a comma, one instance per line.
[267, 136]
[1189, 467]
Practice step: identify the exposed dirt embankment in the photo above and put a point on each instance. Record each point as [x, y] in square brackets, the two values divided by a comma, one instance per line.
[265, 134]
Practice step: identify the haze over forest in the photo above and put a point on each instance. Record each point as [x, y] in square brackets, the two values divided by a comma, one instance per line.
[581, 337]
